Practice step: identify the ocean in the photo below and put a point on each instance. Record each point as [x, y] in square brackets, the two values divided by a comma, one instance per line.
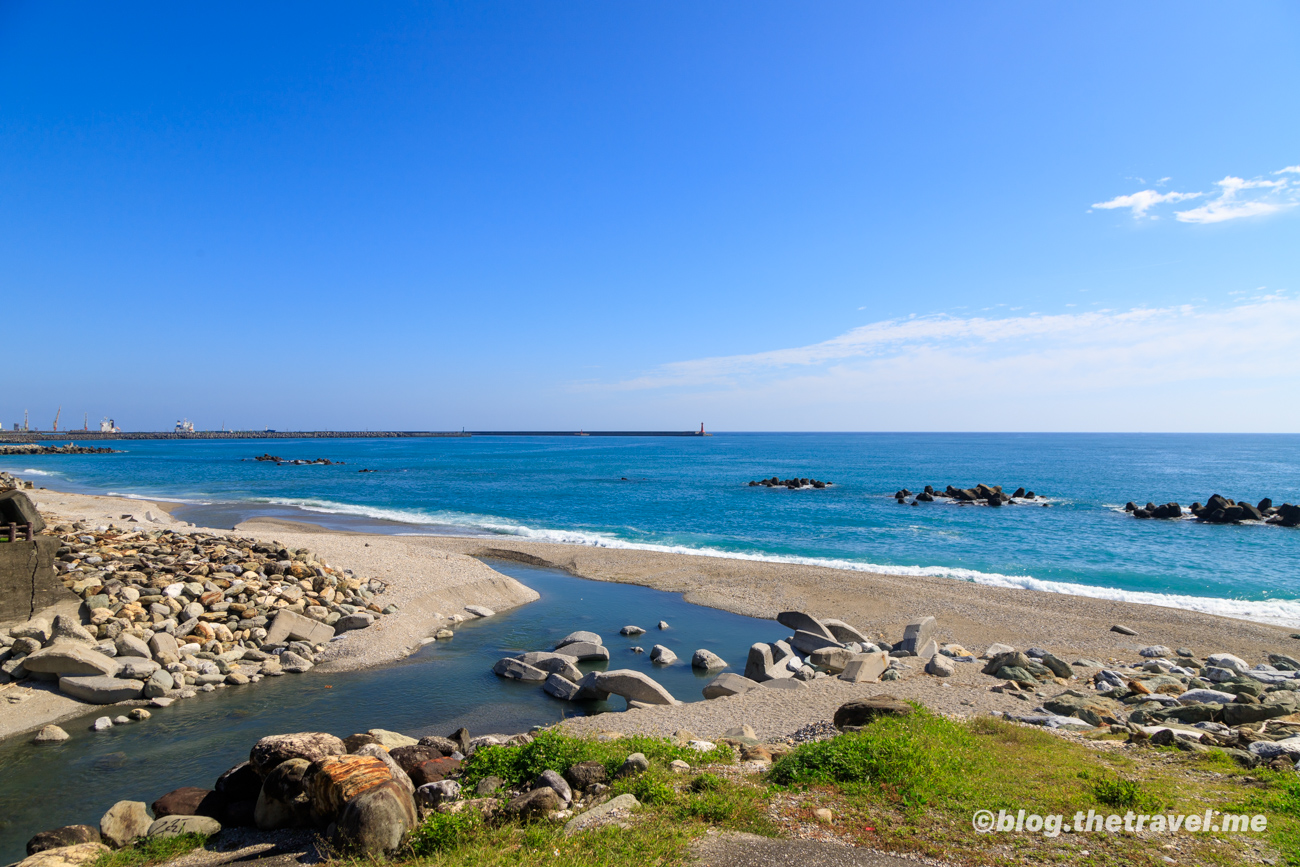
[691, 494]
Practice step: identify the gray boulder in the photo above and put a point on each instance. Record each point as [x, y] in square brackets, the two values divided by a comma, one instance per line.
[561, 687]
[707, 660]
[275, 749]
[585, 650]
[355, 620]
[631, 631]
[66, 628]
[174, 826]
[833, 659]
[866, 667]
[601, 814]
[375, 821]
[554, 781]
[806, 642]
[289, 625]
[135, 668]
[661, 655]
[124, 822]
[128, 645]
[430, 795]
[940, 666]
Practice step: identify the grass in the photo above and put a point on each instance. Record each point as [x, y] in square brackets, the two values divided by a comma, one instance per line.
[151, 850]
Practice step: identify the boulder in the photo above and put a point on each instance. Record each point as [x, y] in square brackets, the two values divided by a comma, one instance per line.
[135, 668]
[728, 683]
[434, 770]
[806, 642]
[584, 775]
[1215, 660]
[124, 822]
[865, 667]
[411, 757]
[631, 631]
[844, 633]
[376, 820]
[634, 764]
[513, 669]
[290, 626]
[240, 783]
[128, 645]
[283, 801]
[784, 683]
[75, 855]
[100, 690]
[538, 802]
[312, 746]
[633, 686]
[71, 660]
[174, 826]
[759, 665]
[68, 835]
[480, 610]
[1091, 708]
[940, 666]
[52, 734]
[601, 814]
[589, 690]
[928, 650]
[917, 634]
[334, 780]
[355, 620]
[554, 781]
[707, 660]
[799, 621]
[375, 751]
[1057, 666]
[1123, 630]
[66, 628]
[864, 711]
[1206, 696]
[162, 644]
[430, 795]
[190, 801]
[579, 637]
[662, 655]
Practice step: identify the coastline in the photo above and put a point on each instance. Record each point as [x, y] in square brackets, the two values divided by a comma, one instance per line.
[433, 577]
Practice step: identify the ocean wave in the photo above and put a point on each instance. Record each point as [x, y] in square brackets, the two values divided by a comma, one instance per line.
[154, 498]
[31, 472]
[1282, 612]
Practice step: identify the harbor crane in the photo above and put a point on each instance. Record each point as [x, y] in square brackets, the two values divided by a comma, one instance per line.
[56, 419]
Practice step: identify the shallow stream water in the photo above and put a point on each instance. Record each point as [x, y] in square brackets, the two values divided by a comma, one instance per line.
[445, 685]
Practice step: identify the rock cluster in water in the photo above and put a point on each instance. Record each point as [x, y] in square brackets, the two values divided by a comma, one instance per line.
[1221, 510]
[558, 673]
[985, 494]
[165, 614]
[792, 484]
[69, 449]
[298, 462]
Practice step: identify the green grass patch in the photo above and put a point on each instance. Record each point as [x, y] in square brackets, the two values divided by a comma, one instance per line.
[151, 850]
[557, 752]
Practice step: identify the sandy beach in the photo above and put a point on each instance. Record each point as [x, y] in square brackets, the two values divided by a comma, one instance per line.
[432, 578]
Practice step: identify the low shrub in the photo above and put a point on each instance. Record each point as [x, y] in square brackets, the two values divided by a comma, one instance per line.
[442, 832]
[151, 850]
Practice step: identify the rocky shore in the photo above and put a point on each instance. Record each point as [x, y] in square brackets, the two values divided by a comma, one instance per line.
[980, 494]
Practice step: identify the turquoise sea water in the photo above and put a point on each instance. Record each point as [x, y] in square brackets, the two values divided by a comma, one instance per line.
[690, 494]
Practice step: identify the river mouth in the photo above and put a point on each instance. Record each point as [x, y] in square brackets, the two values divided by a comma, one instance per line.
[443, 686]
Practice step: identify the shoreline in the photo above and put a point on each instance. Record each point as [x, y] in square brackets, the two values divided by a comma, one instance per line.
[432, 577]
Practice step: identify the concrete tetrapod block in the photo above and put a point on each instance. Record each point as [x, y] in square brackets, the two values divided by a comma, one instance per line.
[561, 687]
[916, 634]
[289, 625]
[844, 633]
[18, 508]
[866, 667]
[797, 620]
[100, 689]
[728, 683]
[513, 669]
[807, 642]
[633, 686]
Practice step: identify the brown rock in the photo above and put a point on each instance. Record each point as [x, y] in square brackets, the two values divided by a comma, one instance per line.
[864, 711]
[190, 801]
[312, 746]
[376, 820]
[335, 780]
[433, 770]
[68, 835]
[538, 802]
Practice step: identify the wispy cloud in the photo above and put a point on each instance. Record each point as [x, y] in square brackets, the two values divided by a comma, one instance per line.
[1236, 198]
[1143, 201]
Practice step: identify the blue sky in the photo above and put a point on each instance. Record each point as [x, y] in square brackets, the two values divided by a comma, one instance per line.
[647, 215]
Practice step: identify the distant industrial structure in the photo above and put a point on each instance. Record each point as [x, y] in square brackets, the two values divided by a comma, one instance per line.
[108, 425]
[184, 426]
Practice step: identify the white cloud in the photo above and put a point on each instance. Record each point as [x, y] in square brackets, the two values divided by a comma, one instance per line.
[1236, 198]
[1143, 201]
[1170, 368]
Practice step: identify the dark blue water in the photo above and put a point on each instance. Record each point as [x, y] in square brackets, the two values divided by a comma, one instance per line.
[689, 494]
[442, 687]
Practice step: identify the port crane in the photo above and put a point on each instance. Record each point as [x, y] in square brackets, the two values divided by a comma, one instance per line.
[56, 419]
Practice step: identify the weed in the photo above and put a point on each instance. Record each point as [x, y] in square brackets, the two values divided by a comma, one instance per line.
[151, 850]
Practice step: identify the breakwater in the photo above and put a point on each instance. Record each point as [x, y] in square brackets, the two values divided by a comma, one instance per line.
[75, 435]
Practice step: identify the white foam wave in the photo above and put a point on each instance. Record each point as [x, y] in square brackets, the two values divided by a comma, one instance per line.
[1283, 612]
[31, 472]
[153, 498]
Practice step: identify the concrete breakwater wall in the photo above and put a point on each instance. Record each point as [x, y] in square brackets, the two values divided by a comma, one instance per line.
[75, 435]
